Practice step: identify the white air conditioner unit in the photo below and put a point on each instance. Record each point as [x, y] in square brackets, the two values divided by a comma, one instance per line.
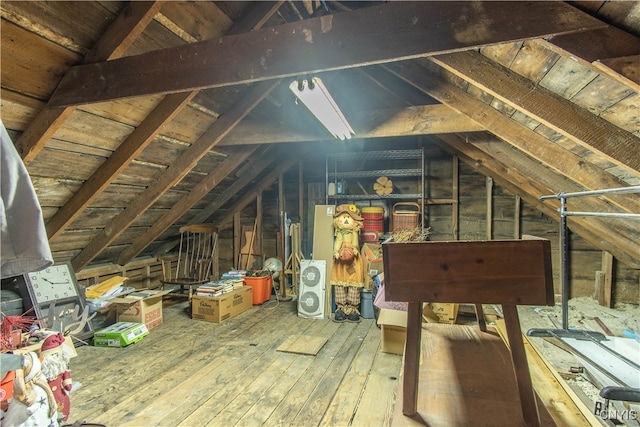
[311, 293]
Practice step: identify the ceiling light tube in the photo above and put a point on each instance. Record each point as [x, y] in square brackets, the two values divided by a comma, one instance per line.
[318, 100]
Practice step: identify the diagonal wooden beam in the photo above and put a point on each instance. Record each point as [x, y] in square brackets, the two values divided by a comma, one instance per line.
[561, 115]
[254, 168]
[135, 143]
[625, 69]
[343, 40]
[283, 165]
[602, 45]
[174, 173]
[554, 156]
[116, 40]
[130, 148]
[415, 120]
[514, 171]
[185, 203]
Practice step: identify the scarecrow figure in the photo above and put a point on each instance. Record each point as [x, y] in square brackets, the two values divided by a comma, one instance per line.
[55, 367]
[347, 276]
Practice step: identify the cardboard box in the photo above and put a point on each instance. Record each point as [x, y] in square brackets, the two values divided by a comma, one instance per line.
[217, 309]
[393, 326]
[36, 347]
[445, 312]
[140, 307]
[372, 263]
[120, 334]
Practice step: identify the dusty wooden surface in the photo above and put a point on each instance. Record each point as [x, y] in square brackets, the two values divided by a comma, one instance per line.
[466, 379]
[194, 373]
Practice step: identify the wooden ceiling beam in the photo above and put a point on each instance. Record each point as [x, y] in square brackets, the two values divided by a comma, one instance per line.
[561, 115]
[125, 29]
[254, 168]
[135, 143]
[130, 148]
[174, 173]
[185, 203]
[610, 50]
[283, 165]
[514, 171]
[342, 40]
[597, 45]
[416, 120]
[521, 137]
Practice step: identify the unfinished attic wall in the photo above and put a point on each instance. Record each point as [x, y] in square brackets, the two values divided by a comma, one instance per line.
[474, 188]
[270, 230]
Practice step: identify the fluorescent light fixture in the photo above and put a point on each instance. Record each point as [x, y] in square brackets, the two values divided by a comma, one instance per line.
[318, 100]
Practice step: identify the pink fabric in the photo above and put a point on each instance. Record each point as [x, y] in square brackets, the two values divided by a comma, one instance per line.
[381, 302]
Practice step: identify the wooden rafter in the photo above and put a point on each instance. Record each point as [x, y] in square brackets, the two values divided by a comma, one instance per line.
[254, 168]
[343, 40]
[130, 148]
[174, 173]
[185, 203]
[561, 115]
[415, 120]
[553, 156]
[514, 171]
[168, 108]
[284, 165]
[120, 35]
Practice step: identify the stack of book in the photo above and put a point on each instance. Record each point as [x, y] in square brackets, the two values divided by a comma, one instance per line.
[210, 290]
[234, 275]
[219, 287]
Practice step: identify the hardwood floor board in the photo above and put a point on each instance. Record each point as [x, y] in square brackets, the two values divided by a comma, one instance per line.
[321, 397]
[377, 403]
[287, 410]
[348, 395]
[249, 385]
[466, 378]
[207, 398]
[209, 411]
[249, 395]
[191, 373]
[142, 366]
[260, 412]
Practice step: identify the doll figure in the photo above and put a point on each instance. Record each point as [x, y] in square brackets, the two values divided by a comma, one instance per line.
[55, 367]
[32, 404]
[347, 276]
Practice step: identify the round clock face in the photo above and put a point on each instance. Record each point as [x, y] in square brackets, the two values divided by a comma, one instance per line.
[53, 283]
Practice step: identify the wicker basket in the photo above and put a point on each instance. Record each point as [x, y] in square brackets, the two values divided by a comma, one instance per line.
[405, 216]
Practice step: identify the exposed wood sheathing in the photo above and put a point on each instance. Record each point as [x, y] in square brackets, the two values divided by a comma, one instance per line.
[132, 117]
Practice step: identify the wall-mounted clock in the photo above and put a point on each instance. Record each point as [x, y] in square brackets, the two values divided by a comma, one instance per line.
[56, 299]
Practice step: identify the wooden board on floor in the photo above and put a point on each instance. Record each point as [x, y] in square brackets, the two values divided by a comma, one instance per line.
[303, 345]
[466, 378]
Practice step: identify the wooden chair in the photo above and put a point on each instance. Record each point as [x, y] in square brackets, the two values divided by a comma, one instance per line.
[194, 263]
[507, 272]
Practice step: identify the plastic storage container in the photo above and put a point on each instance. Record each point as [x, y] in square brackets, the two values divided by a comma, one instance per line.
[373, 226]
[366, 304]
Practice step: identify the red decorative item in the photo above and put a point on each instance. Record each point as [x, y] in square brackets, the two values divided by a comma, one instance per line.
[55, 367]
[11, 329]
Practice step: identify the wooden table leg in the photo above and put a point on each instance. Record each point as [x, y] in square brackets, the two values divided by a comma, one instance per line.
[412, 359]
[520, 366]
[480, 316]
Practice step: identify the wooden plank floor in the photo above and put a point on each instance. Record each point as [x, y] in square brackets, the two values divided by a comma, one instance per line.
[466, 379]
[194, 373]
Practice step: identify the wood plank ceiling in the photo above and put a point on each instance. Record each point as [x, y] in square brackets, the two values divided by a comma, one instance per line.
[135, 118]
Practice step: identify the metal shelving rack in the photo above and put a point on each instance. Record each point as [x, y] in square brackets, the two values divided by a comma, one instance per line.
[333, 174]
